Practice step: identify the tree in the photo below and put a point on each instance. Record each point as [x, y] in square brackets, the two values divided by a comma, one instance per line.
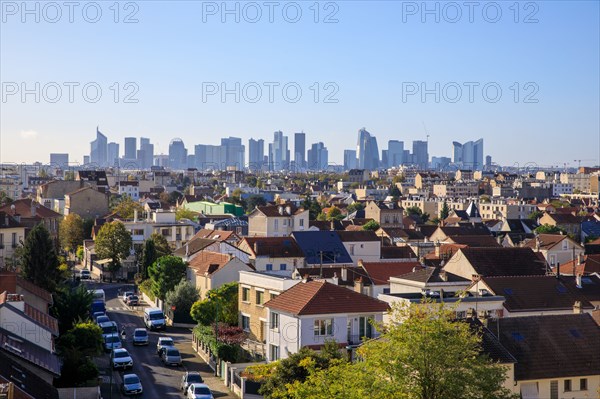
[183, 213]
[224, 299]
[70, 306]
[416, 211]
[535, 215]
[4, 198]
[334, 213]
[253, 201]
[445, 212]
[149, 256]
[424, 353]
[161, 244]
[88, 225]
[313, 207]
[165, 273]
[113, 242]
[356, 206]
[183, 296]
[76, 349]
[125, 207]
[38, 259]
[71, 232]
[395, 191]
[371, 225]
[548, 229]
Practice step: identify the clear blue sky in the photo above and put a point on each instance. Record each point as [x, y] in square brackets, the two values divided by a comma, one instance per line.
[368, 54]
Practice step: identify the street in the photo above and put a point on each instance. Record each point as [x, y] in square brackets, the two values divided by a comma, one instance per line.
[158, 381]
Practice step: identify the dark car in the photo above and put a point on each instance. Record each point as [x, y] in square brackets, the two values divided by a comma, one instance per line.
[133, 300]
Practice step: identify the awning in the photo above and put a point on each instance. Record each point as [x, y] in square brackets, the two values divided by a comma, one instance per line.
[529, 390]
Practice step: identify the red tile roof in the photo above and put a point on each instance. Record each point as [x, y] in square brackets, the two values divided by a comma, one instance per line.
[219, 235]
[24, 206]
[208, 262]
[380, 272]
[44, 319]
[503, 261]
[320, 297]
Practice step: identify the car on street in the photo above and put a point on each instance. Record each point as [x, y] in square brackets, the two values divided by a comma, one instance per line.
[102, 319]
[140, 336]
[198, 391]
[164, 342]
[171, 357]
[98, 314]
[125, 295]
[112, 341]
[109, 327]
[121, 359]
[188, 378]
[154, 319]
[85, 274]
[131, 385]
[132, 300]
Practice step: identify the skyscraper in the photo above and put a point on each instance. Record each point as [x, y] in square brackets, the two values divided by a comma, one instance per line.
[233, 153]
[145, 155]
[98, 150]
[207, 157]
[468, 155]
[256, 153]
[279, 154]
[113, 154]
[457, 152]
[300, 150]
[420, 154]
[367, 151]
[177, 155]
[59, 160]
[318, 157]
[395, 154]
[130, 148]
[349, 159]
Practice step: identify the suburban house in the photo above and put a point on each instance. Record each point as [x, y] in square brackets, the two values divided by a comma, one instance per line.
[211, 270]
[277, 220]
[387, 214]
[397, 236]
[29, 214]
[129, 188]
[566, 221]
[177, 233]
[311, 312]
[256, 288]
[464, 229]
[219, 235]
[196, 246]
[87, 202]
[273, 253]
[363, 245]
[381, 272]
[26, 384]
[322, 248]
[556, 356]
[12, 233]
[557, 249]
[583, 265]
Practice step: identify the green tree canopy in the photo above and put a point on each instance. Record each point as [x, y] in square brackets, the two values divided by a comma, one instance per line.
[113, 242]
[71, 232]
[183, 213]
[125, 207]
[253, 201]
[548, 229]
[38, 259]
[165, 273]
[423, 354]
[313, 207]
[356, 206]
[445, 212]
[71, 305]
[334, 213]
[76, 349]
[225, 299]
[161, 244]
[371, 225]
[183, 296]
[535, 215]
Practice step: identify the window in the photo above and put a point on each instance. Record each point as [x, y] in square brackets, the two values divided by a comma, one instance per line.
[282, 266]
[461, 314]
[245, 294]
[351, 249]
[301, 222]
[276, 224]
[273, 295]
[14, 240]
[246, 323]
[323, 327]
[567, 385]
[565, 245]
[274, 321]
[1, 240]
[284, 222]
[274, 352]
[583, 384]
[260, 297]
[269, 267]
[365, 327]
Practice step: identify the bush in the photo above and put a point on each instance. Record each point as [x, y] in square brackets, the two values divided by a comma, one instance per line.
[146, 287]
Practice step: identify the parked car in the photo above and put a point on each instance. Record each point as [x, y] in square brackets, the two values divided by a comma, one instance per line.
[125, 295]
[164, 342]
[131, 385]
[171, 357]
[140, 336]
[85, 274]
[188, 378]
[112, 341]
[132, 300]
[121, 359]
[199, 391]
[98, 314]
[102, 319]
[108, 328]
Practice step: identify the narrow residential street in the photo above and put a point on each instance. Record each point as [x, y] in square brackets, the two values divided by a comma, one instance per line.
[158, 381]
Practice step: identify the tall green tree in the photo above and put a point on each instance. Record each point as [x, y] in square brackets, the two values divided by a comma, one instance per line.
[313, 207]
[71, 305]
[183, 296]
[149, 256]
[76, 349]
[221, 303]
[423, 354]
[38, 259]
[371, 225]
[71, 232]
[445, 212]
[113, 242]
[165, 273]
[125, 207]
[161, 244]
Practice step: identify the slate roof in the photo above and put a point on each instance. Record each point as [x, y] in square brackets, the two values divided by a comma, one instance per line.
[546, 241]
[503, 261]
[321, 297]
[218, 235]
[550, 346]
[354, 236]
[27, 381]
[276, 247]
[313, 242]
[591, 227]
[475, 241]
[193, 246]
[329, 272]
[405, 234]
[29, 352]
[465, 230]
[565, 218]
[7, 221]
[391, 252]
[273, 210]
[490, 343]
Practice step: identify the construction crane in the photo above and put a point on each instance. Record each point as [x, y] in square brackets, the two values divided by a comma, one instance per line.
[579, 161]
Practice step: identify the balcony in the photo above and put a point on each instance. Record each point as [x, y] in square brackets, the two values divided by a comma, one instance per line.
[356, 339]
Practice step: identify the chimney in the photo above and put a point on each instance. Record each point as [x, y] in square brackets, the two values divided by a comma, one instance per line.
[578, 280]
[6, 219]
[577, 308]
[344, 274]
[256, 247]
[437, 249]
[280, 209]
[335, 278]
[358, 285]
[306, 278]
[288, 209]
[33, 209]
[579, 259]
[135, 215]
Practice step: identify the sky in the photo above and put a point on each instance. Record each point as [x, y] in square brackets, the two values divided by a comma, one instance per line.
[524, 76]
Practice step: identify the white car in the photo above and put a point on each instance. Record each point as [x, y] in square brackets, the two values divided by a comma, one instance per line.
[198, 391]
[85, 274]
[121, 359]
[125, 295]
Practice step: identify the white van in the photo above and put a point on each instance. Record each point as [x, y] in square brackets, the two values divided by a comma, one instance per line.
[98, 295]
[154, 319]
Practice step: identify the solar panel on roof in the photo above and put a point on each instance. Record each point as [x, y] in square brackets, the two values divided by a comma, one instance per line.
[575, 333]
[517, 336]
[587, 280]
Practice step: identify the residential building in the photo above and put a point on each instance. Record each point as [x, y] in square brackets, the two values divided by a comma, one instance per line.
[212, 269]
[87, 202]
[456, 190]
[387, 214]
[277, 220]
[12, 234]
[129, 188]
[566, 221]
[177, 233]
[361, 245]
[322, 248]
[499, 209]
[557, 249]
[28, 213]
[311, 312]
[273, 254]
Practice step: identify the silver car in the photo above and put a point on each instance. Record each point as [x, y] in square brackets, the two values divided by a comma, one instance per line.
[121, 359]
[131, 385]
[112, 341]
[171, 357]
[140, 336]
[199, 391]
[163, 343]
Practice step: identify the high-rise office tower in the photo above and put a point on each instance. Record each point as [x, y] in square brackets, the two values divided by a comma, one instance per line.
[60, 161]
[488, 161]
[349, 159]
[318, 157]
[300, 150]
[367, 151]
[468, 155]
[98, 150]
[130, 148]
[113, 154]
[420, 154]
[256, 153]
[177, 155]
[145, 155]
[208, 157]
[279, 154]
[233, 153]
[457, 152]
[395, 153]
